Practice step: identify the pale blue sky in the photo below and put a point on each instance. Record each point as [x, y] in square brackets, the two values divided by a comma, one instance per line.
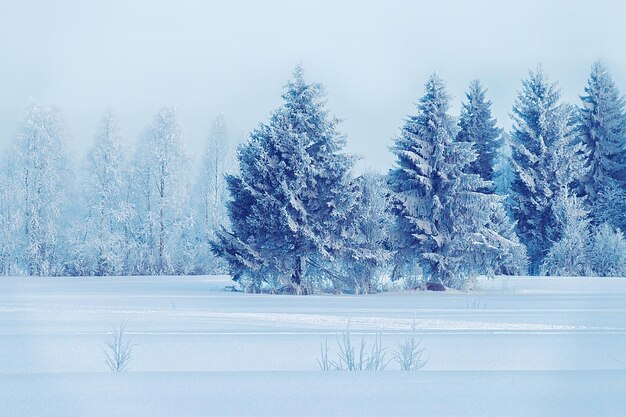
[234, 56]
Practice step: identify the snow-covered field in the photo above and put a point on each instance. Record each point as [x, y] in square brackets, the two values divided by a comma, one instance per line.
[514, 347]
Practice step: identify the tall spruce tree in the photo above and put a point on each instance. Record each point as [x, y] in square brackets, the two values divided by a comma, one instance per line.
[477, 126]
[442, 214]
[602, 126]
[547, 158]
[289, 204]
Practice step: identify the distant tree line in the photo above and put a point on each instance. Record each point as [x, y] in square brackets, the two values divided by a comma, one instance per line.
[112, 214]
[464, 198]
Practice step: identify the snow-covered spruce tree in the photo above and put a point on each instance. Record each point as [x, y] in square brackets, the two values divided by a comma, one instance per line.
[159, 194]
[607, 253]
[42, 175]
[477, 126]
[602, 126]
[290, 201]
[366, 255]
[210, 197]
[442, 214]
[547, 158]
[569, 255]
[106, 225]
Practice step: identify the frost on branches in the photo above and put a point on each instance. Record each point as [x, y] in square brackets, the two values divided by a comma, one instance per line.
[291, 199]
[442, 212]
[547, 158]
[602, 128]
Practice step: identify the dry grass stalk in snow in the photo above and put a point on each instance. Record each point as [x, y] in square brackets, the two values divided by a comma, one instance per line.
[118, 349]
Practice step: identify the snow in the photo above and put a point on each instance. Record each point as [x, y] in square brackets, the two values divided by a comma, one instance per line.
[513, 347]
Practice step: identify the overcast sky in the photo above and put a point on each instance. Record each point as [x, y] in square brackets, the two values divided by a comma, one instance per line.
[206, 57]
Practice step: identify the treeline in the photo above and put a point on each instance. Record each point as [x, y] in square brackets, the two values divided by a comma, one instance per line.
[111, 214]
[463, 199]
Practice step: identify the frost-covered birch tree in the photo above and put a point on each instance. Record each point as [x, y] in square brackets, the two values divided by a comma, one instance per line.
[504, 174]
[105, 240]
[210, 196]
[41, 176]
[159, 190]
[11, 225]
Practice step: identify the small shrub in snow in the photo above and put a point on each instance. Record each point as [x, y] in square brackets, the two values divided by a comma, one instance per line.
[409, 353]
[608, 252]
[577, 253]
[569, 255]
[349, 359]
[118, 350]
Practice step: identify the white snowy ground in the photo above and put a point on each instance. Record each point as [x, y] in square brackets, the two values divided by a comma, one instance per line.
[514, 347]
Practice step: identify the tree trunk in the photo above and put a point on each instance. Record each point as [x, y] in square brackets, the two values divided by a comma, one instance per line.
[296, 277]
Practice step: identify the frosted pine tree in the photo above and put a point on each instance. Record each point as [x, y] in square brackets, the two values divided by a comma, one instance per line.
[547, 158]
[108, 212]
[477, 126]
[289, 204]
[414, 183]
[602, 126]
[42, 175]
[442, 214]
[159, 190]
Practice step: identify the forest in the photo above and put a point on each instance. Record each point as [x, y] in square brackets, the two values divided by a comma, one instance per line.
[287, 213]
